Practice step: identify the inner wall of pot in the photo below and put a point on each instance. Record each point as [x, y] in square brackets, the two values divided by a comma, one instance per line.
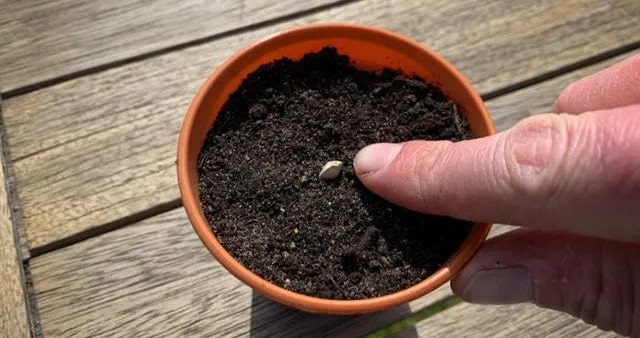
[367, 51]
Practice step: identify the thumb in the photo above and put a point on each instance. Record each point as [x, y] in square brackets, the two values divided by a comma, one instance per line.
[594, 279]
[569, 172]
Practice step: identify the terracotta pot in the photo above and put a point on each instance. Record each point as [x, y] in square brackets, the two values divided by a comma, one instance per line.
[370, 49]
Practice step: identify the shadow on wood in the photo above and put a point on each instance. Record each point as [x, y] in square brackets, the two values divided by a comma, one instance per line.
[272, 319]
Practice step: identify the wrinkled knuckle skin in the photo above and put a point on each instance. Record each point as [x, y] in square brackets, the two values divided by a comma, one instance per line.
[616, 302]
[534, 151]
[562, 103]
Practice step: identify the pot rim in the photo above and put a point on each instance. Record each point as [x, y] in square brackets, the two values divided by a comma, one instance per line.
[200, 225]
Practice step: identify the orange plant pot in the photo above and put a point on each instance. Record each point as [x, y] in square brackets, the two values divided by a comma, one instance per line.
[370, 49]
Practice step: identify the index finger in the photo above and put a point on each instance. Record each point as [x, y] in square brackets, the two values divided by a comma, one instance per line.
[576, 173]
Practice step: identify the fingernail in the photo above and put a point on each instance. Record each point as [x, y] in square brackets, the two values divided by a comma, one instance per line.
[500, 286]
[374, 157]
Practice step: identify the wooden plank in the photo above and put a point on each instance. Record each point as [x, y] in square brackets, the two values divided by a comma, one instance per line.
[40, 40]
[9, 177]
[101, 147]
[156, 278]
[511, 108]
[521, 320]
[13, 310]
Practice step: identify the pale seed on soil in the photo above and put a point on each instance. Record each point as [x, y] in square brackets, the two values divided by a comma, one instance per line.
[330, 170]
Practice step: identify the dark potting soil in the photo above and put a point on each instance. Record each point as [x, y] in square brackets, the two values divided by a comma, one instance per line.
[260, 191]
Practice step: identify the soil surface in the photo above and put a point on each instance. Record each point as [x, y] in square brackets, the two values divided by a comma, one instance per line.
[259, 185]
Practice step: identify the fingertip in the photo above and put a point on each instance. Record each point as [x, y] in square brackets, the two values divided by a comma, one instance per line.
[375, 157]
[403, 173]
[562, 105]
[614, 86]
[435, 177]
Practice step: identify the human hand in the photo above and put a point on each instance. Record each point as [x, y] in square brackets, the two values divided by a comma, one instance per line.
[572, 179]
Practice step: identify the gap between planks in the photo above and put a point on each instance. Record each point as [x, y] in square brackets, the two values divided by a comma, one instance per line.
[589, 61]
[111, 226]
[52, 81]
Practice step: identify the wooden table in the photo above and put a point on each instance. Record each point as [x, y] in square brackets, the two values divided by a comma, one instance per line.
[93, 239]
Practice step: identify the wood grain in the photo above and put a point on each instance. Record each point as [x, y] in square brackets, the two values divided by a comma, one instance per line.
[522, 320]
[511, 108]
[40, 40]
[13, 310]
[98, 148]
[155, 278]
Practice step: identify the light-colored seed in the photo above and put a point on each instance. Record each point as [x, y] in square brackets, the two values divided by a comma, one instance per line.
[330, 170]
